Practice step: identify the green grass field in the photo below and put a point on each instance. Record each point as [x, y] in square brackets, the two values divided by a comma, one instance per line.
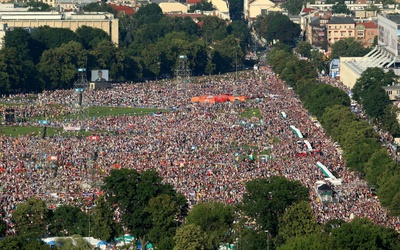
[93, 112]
[251, 112]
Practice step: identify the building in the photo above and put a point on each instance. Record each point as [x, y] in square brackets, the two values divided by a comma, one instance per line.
[253, 8]
[69, 20]
[339, 28]
[384, 56]
[173, 7]
[366, 33]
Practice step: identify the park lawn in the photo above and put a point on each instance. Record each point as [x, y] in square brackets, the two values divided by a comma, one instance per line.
[118, 111]
[15, 131]
[250, 113]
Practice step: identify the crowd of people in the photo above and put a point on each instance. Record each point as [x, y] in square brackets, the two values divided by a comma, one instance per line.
[195, 148]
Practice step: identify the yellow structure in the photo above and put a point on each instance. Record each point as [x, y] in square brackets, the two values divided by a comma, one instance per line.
[173, 7]
[73, 21]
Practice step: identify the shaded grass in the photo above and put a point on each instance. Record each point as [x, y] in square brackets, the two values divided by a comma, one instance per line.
[250, 113]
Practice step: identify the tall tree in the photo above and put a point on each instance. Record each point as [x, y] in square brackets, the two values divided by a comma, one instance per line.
[31, 218]
[163, 211]
[278, 27]
[69, 220]
[215, 220]
[189, 237]
[363, 234]
[59, 66]
[203, 5]
[108, 56]
[304, 49]
[91, 37]
[214, 29]
[348, 47]
[266, 200]
[297, 221]
[340, 8]
[53, 38]
[293, 6]
[131, 192]
[104, 225]
[236, 9]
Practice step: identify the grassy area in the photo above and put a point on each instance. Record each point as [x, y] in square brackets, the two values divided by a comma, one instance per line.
[93, 112]
[118, 111]
[250, 113]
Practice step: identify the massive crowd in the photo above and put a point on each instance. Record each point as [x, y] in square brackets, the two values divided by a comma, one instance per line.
[195, 148]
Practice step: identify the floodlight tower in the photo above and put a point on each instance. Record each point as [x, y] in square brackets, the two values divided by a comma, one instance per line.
[81, 101]
[182, 72]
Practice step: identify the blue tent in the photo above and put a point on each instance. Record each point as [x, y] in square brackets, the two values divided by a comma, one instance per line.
[51, 243]
[102, 242]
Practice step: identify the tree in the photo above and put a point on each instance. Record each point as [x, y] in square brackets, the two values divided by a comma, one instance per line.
[304, 49]
[189, 237]
[59, 66]
[359, 153]
[315, 241]
[389, 120]
[104, 225]
[228, 54]
[163, 211]
[215, 219]
[11, 71]
[293, 6]
[75, 242]
[266, 200]
[238, 29]
[203, 5]
[3, 227]
[213, 29]
[348, 47]
[91, 37]
[324, 96]
[340, 8]
[363, 234]
[297, 221]
[21, 243]
[31, 218]
[99, 7]
[297, 70]
[278, 27]
[151, 13]
[131, 193]
[278, 59]
[53, 38]
[69, 220]
[388, 190]
[236, 9]
[108, 56]
[37, 6]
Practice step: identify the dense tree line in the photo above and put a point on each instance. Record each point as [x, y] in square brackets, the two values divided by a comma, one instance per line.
[149, 46]
[275, 214]
[359, 139]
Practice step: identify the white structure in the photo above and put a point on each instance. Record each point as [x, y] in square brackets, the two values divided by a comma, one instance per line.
[385, 55]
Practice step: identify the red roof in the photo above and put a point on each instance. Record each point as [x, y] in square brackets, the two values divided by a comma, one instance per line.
[128, 10]
[370, 25]
[307, 10]
[193, 1]
[191, 15]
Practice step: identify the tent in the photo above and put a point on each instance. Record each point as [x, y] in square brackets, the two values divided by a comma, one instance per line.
[101, 242]
[221, 98]
[236, 98]
[195, 99]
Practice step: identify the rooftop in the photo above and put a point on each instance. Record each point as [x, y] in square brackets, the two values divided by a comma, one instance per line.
[394, 18]
[341, 20]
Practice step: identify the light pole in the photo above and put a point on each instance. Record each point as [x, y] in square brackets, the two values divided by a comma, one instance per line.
[236, 66]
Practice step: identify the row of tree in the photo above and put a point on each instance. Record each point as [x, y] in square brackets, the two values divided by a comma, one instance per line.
[150, 45]
[359, 140]
[275, 214]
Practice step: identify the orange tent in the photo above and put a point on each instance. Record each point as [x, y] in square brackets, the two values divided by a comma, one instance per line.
[238, 98]
[195, 99]
[207, 99]
[221, 98]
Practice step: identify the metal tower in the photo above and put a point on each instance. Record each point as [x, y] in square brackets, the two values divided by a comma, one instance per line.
[81, 102]
[183, 72]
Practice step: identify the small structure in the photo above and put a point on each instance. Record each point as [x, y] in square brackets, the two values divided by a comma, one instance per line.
[324, 192]
[99, 85]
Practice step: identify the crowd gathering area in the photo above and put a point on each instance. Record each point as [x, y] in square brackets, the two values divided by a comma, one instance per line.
[207, 150]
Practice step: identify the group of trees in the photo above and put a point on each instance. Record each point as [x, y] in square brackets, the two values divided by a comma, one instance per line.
[150, 44]
[275, 214]
[358, 138]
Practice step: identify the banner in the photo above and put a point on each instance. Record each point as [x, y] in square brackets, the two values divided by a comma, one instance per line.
[72, 128]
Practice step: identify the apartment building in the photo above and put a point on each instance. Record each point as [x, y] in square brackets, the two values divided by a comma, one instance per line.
[340, 27]
[366, 33]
